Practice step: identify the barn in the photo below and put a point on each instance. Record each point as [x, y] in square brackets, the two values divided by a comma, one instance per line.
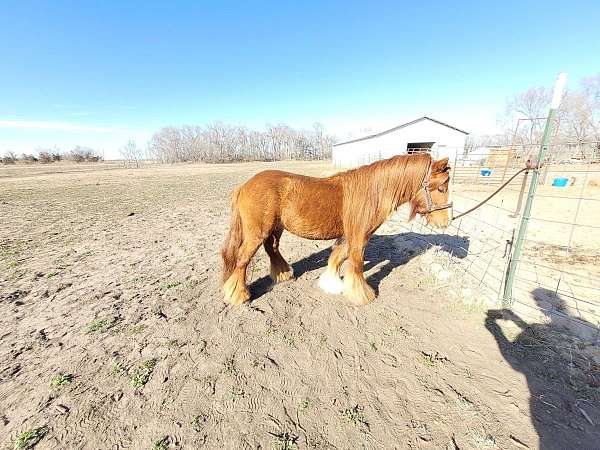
[422, 134]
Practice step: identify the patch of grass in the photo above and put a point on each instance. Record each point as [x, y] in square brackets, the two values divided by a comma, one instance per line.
[271, 328]
[9, 256]
[51, 274]
[432, 360]
[28, 439]
[484, 441]
[136, 329]
[304, 404]
[396, 330]
[285, 441]
[236, 393]
[172, 284]
[355, 416]
[161, 443]
[229, 367]
[198, 422]
[60, 380]
[427, 360]
[426, 281]
[119, 368]
[289, 341]
[142, 373]
[322, 340]
[190, 283]
[101, 325]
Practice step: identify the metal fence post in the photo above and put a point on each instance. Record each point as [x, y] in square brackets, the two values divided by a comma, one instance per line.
[518, 246]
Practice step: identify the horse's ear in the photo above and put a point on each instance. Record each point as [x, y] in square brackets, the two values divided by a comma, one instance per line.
[440, 166]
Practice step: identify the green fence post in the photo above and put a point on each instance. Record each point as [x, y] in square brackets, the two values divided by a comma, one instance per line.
[518, 245]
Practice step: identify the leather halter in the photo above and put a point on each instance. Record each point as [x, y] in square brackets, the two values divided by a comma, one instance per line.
[431, 207]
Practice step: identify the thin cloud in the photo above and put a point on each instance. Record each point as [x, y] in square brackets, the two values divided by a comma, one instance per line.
[50, 125]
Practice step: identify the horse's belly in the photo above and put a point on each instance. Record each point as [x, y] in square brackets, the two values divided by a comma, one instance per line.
[313, 229]
[313, 213]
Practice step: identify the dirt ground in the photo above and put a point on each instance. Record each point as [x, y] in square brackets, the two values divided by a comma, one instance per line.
[113, 333]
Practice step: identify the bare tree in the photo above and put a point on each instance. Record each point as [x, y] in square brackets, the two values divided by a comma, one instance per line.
[26, 157]
[131, 153]
[83, 154]
[9, 158]
[590, 88]
[531, 104]
[44, 155]
[577, 117]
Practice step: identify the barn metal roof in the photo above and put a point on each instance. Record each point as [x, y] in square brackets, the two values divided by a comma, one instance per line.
[404, 125]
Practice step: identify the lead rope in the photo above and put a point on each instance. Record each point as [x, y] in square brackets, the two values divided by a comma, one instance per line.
[529, 166]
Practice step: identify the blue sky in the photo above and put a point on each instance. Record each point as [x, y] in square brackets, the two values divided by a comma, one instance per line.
[99, 73]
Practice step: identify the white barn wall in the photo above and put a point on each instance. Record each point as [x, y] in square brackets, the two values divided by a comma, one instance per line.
[448, 142]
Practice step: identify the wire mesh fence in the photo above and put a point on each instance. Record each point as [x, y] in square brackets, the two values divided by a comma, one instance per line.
[558, 275]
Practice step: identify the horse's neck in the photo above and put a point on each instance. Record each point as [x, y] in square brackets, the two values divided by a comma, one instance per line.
[382, 181]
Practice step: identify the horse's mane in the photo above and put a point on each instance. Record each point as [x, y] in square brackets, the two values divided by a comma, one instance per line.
[373, 192]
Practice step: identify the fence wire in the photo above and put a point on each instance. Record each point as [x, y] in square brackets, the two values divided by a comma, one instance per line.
[558, 276]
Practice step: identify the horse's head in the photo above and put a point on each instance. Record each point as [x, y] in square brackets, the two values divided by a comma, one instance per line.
[431, 200]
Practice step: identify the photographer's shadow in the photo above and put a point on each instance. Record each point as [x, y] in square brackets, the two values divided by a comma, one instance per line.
[564, 396]
[387, 252]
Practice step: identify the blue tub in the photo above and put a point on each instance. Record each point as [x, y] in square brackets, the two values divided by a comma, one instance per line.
[486, 172]
[560, 182]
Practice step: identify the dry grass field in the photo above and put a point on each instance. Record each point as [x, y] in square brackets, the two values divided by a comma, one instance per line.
[113, 334]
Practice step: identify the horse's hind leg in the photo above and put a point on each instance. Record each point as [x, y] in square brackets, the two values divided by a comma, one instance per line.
[330, 280]
[235, 288]
[280, 269]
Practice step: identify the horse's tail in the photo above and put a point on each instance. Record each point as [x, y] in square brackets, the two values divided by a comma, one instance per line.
[234, 239]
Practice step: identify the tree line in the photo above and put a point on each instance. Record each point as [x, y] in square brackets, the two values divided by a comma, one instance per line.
[219, 142]
[47, 156]
[213, 143]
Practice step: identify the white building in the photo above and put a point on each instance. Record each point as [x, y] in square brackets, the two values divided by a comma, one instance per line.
[423, 134]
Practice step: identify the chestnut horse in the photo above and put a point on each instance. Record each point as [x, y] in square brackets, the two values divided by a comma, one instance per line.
[348, 206]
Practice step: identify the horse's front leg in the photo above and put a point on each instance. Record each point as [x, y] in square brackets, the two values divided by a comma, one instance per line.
[330, 280]
[356, 288]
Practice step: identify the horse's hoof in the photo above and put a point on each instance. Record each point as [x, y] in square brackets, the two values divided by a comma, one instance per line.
[236, 293]
[357, 291]
[331, 283]
[361, 299]
[238, 298]
[282, 276]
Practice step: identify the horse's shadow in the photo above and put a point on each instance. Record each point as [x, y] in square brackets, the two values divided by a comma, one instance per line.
[385, 251]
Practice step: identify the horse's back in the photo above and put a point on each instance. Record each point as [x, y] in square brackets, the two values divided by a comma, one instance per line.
[306, 206]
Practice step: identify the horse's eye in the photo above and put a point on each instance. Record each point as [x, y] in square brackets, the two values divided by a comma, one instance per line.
[442, 189]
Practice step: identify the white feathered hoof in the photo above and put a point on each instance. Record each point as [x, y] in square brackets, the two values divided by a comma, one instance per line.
[331, 283]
